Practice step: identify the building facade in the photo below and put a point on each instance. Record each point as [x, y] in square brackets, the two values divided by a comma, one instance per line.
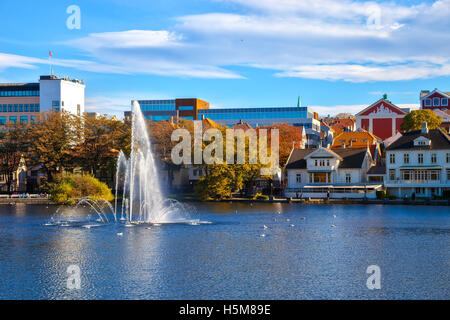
[296, 116]
[418, 163]
[434, 100]
[22, 102]
[157, 110]
[382, 118]
[319, 173]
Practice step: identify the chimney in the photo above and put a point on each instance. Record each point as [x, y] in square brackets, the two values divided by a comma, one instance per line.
[424, 127]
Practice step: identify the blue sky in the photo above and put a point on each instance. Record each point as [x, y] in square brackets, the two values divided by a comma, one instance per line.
[339, 56]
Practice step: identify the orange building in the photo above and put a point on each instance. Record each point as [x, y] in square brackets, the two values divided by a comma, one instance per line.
[358, 139]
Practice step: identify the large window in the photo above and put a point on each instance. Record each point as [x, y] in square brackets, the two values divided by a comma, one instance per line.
[24, 119]
[436, 102]
[428, 102]
[2, 120]
[433, 158]
[298, 178]
[392, 158]
[420, 158]
[444, 102]
[391, 174]
[320, 177]
[406, 158]
[5, 108]
[448, 157]
[13, 120]
[348, 178]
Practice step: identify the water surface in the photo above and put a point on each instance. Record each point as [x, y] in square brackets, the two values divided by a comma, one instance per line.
[300, 256]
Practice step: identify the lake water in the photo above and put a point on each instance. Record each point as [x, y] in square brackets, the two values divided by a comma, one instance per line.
[301, 255]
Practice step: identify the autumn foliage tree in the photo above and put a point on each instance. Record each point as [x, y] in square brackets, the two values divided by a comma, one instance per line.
[414, 120]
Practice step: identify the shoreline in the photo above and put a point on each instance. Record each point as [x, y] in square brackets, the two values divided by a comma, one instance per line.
[40, 201]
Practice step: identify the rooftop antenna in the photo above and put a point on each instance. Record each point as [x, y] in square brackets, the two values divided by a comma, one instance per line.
[299, 102]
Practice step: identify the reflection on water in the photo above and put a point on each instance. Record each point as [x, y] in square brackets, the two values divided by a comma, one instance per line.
[301, 256]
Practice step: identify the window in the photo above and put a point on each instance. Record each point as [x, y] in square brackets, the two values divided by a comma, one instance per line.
[406, 158]
[10, 107]
[20, 107]
[420, 158]
[328, 163]
[16, 108]
[36, 107]
[78, 109]
[55, 103]
[348, 178]
[392, 158]
[298, 178]
[315, 163]
[62, 103]
[448, 157]
[428, 102]
[444, 102]
[24, 119]
[2, 120]
[436, 102]
[13, 120]
[25, 108]
[181, 108]
[433, 158]
[448, 174]
[33, 119]
[5, 108]
[391, 174]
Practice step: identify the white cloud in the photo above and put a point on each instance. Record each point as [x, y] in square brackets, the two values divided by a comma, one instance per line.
[347, 40]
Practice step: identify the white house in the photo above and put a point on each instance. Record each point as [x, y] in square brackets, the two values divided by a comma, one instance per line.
[339, 173]
[418, 163]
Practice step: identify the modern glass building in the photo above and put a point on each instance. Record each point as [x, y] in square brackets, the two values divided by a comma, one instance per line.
[296, 116]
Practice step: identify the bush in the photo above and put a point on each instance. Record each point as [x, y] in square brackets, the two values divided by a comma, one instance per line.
[70, 187]
[260, 196]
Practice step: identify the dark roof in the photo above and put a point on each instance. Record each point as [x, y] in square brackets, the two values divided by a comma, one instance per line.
[439, 140]
[352, 158]
[297, 158]
[377, 170]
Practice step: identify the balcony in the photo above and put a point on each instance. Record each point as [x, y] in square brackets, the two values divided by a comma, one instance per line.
[414, 183]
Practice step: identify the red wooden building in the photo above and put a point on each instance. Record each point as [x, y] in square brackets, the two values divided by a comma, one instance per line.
[434, 100]
[382, 118]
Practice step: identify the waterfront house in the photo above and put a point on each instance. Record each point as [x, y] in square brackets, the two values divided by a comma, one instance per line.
[434, 100]
[322, 172]
[418, 164]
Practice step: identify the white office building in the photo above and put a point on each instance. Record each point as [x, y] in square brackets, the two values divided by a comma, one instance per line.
[59, 94]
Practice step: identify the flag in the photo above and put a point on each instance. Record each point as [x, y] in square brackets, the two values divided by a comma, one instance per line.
[50, 53]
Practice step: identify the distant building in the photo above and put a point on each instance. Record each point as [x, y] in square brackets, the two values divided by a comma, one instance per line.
[434, 100]
[157, 110]
[22, 102]
[347, 124]
[419, 163]
[382, 118]
[339, 173]
[358, 139]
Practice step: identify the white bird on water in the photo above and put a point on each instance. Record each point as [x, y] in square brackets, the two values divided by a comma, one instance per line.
[120, 233]
[334, 216]
[333, 226]
[266, 227]
[263, 235]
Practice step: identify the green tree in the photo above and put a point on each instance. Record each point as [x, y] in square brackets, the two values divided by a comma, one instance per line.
[414, 119]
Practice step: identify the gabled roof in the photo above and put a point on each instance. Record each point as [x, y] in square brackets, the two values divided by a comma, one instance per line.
[384, 101]
[351, 158]
[439, 140]
[356, 137]
[377, 170]
[241, 125]
[425, 94]
[323, 150]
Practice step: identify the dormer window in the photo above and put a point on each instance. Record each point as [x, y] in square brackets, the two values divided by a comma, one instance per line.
[422, 142]
[428, 102]
[436, 102]
[444, 102]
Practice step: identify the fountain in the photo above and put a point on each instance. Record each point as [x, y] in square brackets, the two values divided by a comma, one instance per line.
[137, 178]
[142, 199]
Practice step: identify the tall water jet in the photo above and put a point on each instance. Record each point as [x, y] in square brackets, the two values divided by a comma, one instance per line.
[143, 200]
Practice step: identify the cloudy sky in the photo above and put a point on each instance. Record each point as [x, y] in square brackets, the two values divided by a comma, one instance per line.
[338, 55]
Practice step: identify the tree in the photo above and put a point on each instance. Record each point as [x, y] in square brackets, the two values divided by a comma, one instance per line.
[102, 139]
[13, 148]
[51, 141]
[414, 119]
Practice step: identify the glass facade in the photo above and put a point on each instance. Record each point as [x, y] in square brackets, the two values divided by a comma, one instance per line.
[2, 120]
[19, 93]
[157, 105]
[19, 108]
[254, 113]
